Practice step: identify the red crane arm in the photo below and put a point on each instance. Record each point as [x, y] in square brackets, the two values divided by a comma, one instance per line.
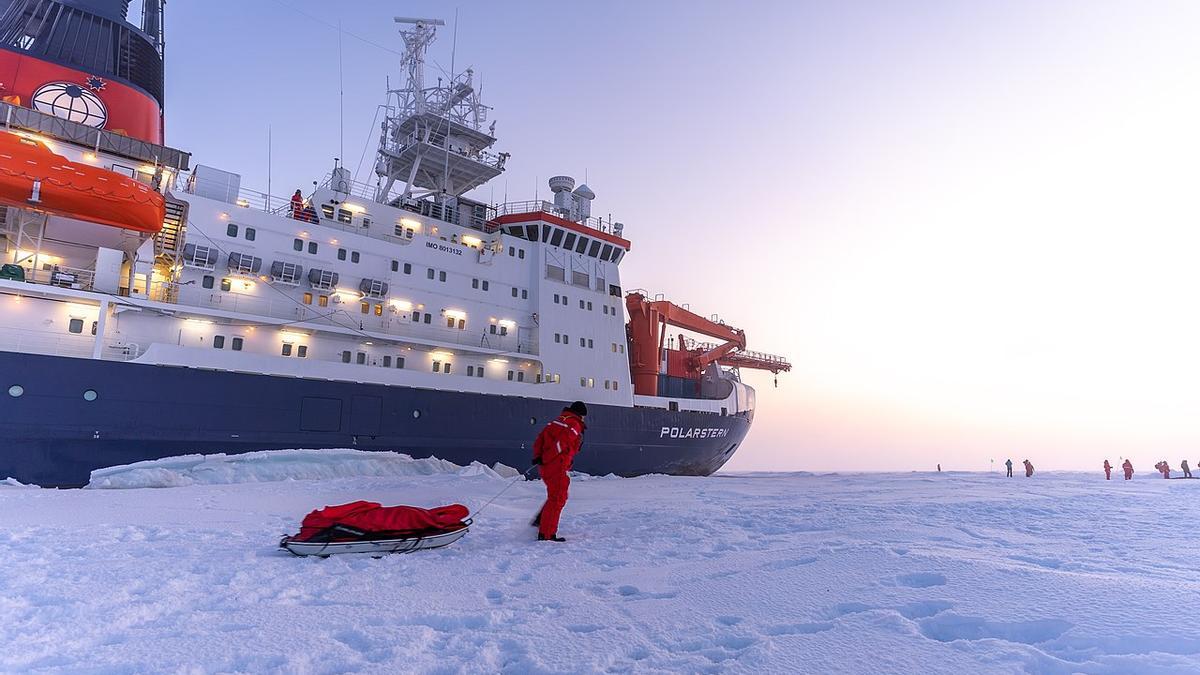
[679, 317]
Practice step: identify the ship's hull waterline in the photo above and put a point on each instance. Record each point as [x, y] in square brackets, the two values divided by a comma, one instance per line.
[54, 436]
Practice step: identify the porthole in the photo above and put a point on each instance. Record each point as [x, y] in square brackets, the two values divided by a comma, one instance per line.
[16, 390]
[89, 395]
[532, 421]
[416, 414]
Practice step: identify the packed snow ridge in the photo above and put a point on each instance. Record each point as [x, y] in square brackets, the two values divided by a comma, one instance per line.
[277, 465]
[915, 573]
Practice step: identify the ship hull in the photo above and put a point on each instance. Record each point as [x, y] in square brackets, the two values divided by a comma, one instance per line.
[52, 436]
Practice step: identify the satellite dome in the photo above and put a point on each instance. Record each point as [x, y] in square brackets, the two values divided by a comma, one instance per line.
[584, 191]
[561, 184]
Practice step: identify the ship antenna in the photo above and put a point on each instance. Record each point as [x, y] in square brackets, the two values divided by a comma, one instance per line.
[341, 99]
[453, 53]
[268, 167]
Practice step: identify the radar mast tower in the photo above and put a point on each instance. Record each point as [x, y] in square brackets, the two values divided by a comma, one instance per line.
[433, 139]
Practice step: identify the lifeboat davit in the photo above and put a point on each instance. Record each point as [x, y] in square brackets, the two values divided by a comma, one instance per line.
[74, 190]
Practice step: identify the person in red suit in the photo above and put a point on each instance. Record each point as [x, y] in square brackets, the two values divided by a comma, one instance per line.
[297, 211]
[555, 450]
[1128, 467]
[1107, 470]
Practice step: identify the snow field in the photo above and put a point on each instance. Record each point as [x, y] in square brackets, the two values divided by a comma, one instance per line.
[974, 573]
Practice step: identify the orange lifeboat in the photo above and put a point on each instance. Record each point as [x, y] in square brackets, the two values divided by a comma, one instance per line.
[74, 190]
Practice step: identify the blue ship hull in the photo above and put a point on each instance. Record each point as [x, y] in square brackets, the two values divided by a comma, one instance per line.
[52, 436]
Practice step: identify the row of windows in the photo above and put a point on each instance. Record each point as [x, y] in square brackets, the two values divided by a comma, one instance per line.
[17, 391]
[524, 293]
[231, 230]
[609, 310]
[341, 255]
[76, 326]
[298, 245]
[441, 275]
[478, 285]
[569, 241]
[361, 359]
[218, 342]
[518, 252]
[301, 351]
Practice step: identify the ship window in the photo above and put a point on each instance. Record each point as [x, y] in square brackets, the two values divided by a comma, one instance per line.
[589, 305]
[75, 326]
[16, 391]
[399, 361]
[479, 371]
[566, 339]
[591, 343]
[327, 209]
[387, 361]
[510, 375]
[565, 301]
[557, 338]
[312, 247]
[287, 349]
[408, 268]
[395, 265]
[514, 291]
[250, 234]
[485, 284]
[614, 290]
[323, 300]
[450, 322]
[569, 241]
[521, 253]
[581, 245]
[231, 229]
[302, 351]
[617, 254]
[446, 367]
[504, 330]
[673, 406]
[591, 382]
[583, 381]
[236, 344]
[346, 357]
[297, 244]
[366, 222]
[556, 238]
[437, 366]
[520, 376]
[218, 342]
[470, 371]
[416, 317]
[361, 358]
[428, 317]
[595, 249]
[614, 385]
[378, 310]
[207, 281]
[582, 342]
[621, 348]
[531, 232]
[225, 285]
[308, 298]
[524, 294]
[354, 256]
[462, 324]
[511, 251]
[344, 216]
[429, 273]
[492, 328]
[546, 232]
[441, 276]
[614, 348]
[341, 254]
[365, 307]
[556, 296]
[474, 283]
[90, 395]
[580, 304]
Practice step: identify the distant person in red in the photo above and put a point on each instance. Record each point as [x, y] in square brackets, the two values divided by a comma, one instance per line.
[1187, 471]
[298, 206]
[1164, 468]
[1028, 468]
[1107, 470]
[555, 450]
[1128, 467]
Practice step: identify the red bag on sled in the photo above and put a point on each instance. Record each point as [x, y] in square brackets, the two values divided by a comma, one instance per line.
[370, 520]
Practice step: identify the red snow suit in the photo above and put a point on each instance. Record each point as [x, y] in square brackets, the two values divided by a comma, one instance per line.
[1128, 467]
[1107, 470]
[376, 518]
[556, 447]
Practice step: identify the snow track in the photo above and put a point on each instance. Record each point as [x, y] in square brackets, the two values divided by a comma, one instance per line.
[1061, 573]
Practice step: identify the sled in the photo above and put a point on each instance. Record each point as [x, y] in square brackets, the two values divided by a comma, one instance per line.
[375, 547]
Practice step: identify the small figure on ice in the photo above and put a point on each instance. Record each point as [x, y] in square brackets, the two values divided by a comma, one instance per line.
[1028, 468]
[1164, 468]
[555, 450]
[1187, 471]
[1008, 463]
[1128, 467]
[1107, 470]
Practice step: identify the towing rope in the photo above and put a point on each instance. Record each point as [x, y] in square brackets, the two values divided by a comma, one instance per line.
[506, 487]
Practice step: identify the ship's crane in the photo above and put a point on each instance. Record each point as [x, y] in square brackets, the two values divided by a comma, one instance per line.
[647, 319]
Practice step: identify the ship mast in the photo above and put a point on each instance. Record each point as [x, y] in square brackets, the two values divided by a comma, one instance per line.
[432, 140]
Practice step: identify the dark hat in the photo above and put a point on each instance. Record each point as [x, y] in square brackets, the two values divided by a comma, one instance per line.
[578, 408]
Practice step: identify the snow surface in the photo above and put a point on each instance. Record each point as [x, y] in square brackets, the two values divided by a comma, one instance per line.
[950, 572]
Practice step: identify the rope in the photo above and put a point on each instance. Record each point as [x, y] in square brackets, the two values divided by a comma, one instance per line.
[506, 487]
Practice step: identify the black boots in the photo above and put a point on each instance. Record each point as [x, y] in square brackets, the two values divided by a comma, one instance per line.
[553, 537]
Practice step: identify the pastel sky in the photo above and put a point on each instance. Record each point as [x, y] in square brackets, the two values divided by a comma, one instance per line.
[971, 226]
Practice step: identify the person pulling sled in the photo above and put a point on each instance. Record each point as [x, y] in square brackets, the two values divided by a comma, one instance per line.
[554, 452]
